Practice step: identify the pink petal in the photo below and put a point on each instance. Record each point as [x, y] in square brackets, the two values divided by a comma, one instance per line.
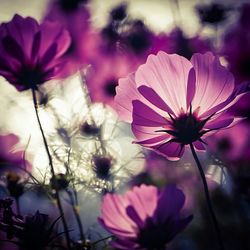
[114, 216]
[154, 98]
[145, 116]
[171, 150]
[214, 83]
[126, 92]
[199, 145]
[143, 134]
[148, 196]
[168, 76]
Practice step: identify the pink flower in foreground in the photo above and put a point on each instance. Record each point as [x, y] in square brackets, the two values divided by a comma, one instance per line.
[144, 218]
[173, 102]
[30, 54]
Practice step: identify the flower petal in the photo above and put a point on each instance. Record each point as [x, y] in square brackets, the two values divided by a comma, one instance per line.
[168, 76]
[214, 83]
[171, 150]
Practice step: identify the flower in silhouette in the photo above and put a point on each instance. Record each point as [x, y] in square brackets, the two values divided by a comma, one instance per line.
[173, 102]
[32, 232]
[31, 52]
[145, 217]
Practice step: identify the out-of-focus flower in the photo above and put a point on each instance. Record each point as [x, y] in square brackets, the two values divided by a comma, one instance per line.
[213, 13]
[145, 217]
[236, 46]
[102, 78]
[11, 161]
[231, 145]
[31, 52]
[74, 16]
[173, 102]
[100, 161]
[183, 45]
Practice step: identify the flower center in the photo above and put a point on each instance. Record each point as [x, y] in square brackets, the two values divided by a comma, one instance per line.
[102, 166]
[153, 236]
[110, 88]
[30, 77]
[186, 128]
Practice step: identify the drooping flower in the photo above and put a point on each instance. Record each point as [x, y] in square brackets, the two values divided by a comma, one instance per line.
[31, 52]
[145, 217]
[173, 102]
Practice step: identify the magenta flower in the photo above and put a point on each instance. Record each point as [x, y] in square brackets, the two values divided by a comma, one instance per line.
[74, 16]
[144, 218]
[236, 46]
[30, 54]
[10, 160]
[173, 102]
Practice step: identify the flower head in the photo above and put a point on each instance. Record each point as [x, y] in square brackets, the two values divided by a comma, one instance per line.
[173, 102]
[31, 52]
[145, 217]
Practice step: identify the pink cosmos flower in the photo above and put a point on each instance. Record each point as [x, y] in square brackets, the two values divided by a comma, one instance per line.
[30, 54]
[173, 102]
[144, 218]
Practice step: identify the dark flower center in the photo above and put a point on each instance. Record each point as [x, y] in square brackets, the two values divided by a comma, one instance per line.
[138, 39]
[70, 5]
[102, 166]
[224, 145]
[30, 78]
[119, 13]
[186, 128]
[154, 237]
[213, 14]
[89, 129]
[110, 87]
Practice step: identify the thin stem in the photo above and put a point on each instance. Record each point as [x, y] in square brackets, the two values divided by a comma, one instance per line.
[51, 169]
[78, 219]
[208, 199]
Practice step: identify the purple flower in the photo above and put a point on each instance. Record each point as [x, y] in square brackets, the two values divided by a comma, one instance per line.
[30, 54]
[173, 102]
[108, 68]
[236, 46]
[12, 161]
[74, 16]
[145, 217]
